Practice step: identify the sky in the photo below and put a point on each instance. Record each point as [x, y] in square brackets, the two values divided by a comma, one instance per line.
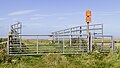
[46, 16]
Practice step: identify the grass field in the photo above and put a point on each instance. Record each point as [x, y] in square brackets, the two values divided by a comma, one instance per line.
[83, 60]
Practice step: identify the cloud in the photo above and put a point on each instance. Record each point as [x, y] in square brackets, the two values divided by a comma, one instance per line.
[15, 19]
[21, 12]
[105, 13]
[36, 18]
[78, 13]
[61, 18]
[2, 18]
[60, 14]
[45, 15]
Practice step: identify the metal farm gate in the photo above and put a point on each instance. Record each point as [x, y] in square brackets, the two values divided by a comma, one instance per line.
[69, 41]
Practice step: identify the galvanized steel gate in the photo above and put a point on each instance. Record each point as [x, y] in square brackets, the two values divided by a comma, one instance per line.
[69, 41]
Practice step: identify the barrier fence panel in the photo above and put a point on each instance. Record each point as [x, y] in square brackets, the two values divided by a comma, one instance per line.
[73, 40]
[44, 44]
[104, 43]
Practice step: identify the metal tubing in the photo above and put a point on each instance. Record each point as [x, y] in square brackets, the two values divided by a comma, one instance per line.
[70, 37]
[63, 35]
[37, 45]
[53, 37]
[81, 29]
[80, 36]
[58, 38]
[102, 39]
[112, 44]
[63, 44]
[79, 26]
[91, 44]
[88, 36]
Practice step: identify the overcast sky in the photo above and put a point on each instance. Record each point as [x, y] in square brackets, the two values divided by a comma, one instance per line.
[46, 16]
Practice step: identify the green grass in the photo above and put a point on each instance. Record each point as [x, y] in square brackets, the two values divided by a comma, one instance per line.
[84, 60]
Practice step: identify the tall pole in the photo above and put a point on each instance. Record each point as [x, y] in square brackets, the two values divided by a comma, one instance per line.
[88, 20]
[71, 37]
[88, 37]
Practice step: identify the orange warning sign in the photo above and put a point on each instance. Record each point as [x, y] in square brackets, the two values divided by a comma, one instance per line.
[88, 19]
[88, 13]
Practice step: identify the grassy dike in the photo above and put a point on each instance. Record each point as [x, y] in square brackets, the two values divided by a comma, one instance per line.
[85, 60]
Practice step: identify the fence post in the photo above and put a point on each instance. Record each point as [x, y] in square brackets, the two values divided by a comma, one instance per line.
[80, 36]
[90, 43]
[63, 42]
[70, 36]
[112, 44]
[102, 39]
[37, 45]
[8, 46]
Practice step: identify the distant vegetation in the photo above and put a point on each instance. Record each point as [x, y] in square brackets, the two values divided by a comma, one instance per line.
[3, 39]
[2, 46]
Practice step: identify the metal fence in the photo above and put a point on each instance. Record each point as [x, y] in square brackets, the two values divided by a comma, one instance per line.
[73, 40]
[41, 44]
[44, 44]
